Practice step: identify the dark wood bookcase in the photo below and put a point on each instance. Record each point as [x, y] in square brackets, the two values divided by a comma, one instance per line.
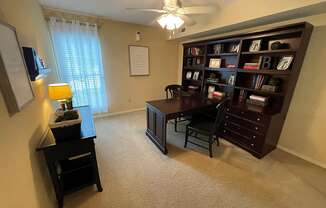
[252, 127]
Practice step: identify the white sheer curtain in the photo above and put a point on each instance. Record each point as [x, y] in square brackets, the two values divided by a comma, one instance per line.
[78, 53]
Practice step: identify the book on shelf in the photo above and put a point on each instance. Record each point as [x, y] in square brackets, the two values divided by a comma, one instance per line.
[192, 87]
[270, 88]
[257, 100]
[259, 81]
[251, 66]
[218, 94]
[242, 96]
[258, 103]
[212, 80]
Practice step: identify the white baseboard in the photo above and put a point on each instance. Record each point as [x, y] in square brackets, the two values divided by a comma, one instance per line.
[103, 115]
[315, 162]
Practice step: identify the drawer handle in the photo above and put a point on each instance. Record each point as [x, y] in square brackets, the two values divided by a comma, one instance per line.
[254, 137]
[256, 128]
[252, 145]
[225, 124]
[228, 109]
[258, 119]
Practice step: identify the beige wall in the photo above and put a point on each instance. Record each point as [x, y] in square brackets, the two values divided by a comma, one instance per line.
[22, 178]
[127, 92]
[304, 130]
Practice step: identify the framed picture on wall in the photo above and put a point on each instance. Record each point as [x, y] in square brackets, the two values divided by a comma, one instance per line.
[138, 60]
[15, 84]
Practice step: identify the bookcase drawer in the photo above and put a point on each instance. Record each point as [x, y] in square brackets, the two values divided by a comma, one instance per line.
[259, 129]
[237, 138]
[249, 115]
[243, 131]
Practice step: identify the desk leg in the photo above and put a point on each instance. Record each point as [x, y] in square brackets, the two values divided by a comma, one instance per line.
[54, 176]
[156, 128]
[95, 168]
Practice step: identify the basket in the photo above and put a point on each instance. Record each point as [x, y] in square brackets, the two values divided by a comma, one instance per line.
[65, 130]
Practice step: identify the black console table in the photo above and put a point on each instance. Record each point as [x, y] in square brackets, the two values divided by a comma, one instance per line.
[72, 165]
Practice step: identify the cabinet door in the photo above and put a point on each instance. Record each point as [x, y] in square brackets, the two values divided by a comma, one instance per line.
[156, 127]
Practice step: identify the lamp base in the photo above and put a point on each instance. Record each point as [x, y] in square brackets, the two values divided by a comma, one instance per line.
[63, 105]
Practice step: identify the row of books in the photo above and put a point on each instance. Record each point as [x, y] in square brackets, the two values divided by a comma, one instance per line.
[259, 81]
[194, 51]
[257, 100]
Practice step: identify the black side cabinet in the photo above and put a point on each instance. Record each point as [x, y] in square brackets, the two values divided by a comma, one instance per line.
[72, 165]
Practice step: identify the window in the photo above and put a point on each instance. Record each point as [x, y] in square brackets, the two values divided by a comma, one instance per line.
[78, 54]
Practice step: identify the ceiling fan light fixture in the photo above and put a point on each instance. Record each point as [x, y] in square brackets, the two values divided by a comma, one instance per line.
[170, 21]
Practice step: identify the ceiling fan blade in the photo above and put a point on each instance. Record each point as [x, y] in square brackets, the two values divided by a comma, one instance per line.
[197, 10]
[146, 10]
[188, 21]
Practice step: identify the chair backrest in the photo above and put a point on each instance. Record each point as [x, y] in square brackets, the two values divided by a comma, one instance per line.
[221, 110]
[172, 91]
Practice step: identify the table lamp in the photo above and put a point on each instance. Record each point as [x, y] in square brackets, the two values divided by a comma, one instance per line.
[60, 92]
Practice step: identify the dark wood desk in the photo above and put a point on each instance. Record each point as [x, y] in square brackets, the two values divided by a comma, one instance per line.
[72, 164]
[160, 111]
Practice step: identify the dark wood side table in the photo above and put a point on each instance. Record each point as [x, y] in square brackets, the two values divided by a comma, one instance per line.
[160, 111]
[72, 164]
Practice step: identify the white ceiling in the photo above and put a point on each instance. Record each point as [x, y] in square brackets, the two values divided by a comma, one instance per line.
[115, 9]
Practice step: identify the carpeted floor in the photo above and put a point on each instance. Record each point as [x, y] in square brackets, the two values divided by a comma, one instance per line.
[135, 174]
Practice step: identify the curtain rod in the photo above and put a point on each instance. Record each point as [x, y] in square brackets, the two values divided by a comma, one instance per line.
[70, 21]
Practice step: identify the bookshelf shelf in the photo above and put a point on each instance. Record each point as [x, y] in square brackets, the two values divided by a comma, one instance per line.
[220, 69]
[194, 82]
[281, 51]
[251, 108]
[223, 54]
[262, 92]
[219, 84]
[266, 71]
[201, 67]
[193, 56]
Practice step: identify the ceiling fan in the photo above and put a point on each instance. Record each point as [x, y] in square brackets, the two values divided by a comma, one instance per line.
[174, 15]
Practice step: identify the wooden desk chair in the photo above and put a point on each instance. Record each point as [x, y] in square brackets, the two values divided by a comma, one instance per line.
[202, 126]
[174, 91]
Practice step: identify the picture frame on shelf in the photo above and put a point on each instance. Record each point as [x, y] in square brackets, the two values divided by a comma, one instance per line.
[284, 63]
[255, 46]
[231, 80]
[188, 75]
[198, 61]
[278, 45]
[218, 49]
[234, 48]
[210, 91]
[215, 63]
[196, 76]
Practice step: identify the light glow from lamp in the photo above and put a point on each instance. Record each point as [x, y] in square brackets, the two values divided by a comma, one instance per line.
[170, 21]
[59, 91]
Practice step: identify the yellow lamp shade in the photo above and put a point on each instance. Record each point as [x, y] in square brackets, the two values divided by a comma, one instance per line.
[59, 91]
